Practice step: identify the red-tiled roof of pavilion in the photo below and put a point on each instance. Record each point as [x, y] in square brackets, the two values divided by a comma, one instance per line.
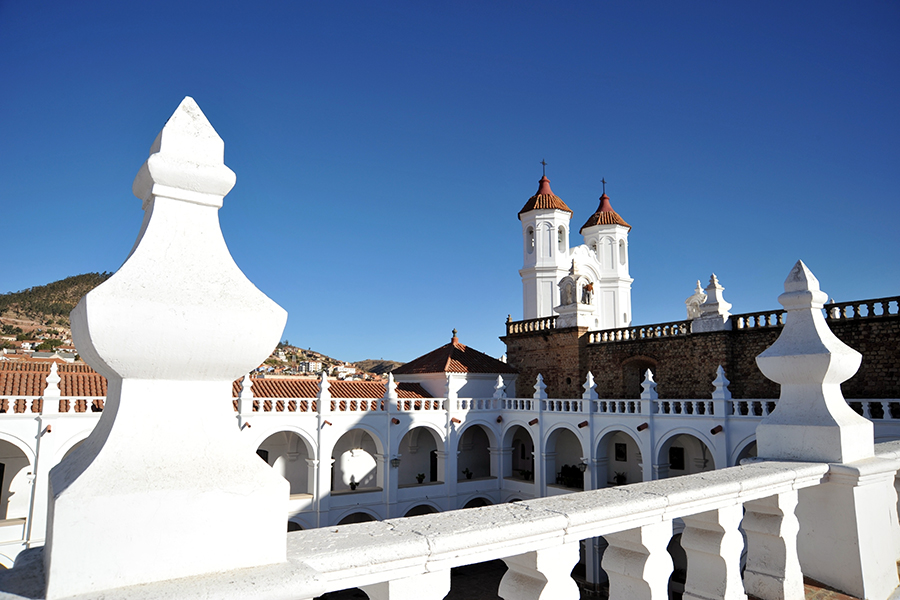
[544, 199]
[605, 215]
[454, 358]
[309, 388]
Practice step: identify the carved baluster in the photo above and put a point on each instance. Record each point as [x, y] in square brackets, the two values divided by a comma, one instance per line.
[773, 568]
[540, 575]
[886, 407]
[713, 546]
[427, 586]
[638, 564]
[866, 410]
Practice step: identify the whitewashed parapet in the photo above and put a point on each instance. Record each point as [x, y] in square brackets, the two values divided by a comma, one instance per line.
[365, 554]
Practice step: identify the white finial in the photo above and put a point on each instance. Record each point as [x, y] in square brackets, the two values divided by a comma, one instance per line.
[714, 315]
[50, 401]
[721, 391]
[246, 387]
[540, 388]
[649, 386]
[390, 390]
[499, 388]
[179, 282]
[812, 421]
[187, 161]
[590, 388]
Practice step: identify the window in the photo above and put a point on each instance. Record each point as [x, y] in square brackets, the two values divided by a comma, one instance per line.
[621, 452]
[561, 238]
[676, 458]
[529, 240]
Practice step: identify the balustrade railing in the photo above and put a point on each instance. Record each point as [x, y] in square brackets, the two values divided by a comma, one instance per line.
[568, 406]
[531, 325]
[538, 540]
[472, 404]
[685, 407]
[612, 407]
[67, 405]
[863, 309]
[642, 332]
[759, 320]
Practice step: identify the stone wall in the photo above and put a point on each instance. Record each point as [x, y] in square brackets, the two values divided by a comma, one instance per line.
[685, 366]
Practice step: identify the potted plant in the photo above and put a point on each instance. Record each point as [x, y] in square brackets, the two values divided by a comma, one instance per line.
[467, 473]
[620, 478]
[353, 485]
[526, 474]
[420, 477]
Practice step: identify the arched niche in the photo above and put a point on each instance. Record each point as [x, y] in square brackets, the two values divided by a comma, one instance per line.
[290, 456]
[684, 454]
[563, 453]
[520, 460]
[15, 473]
[474, 452]
[356, 465]
[421, 451]
[619, 459]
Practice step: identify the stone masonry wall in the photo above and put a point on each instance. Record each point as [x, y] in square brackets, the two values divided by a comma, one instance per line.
[685, 366]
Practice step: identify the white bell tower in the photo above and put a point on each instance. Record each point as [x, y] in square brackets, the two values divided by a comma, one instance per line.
[606, 235]
[545, 247]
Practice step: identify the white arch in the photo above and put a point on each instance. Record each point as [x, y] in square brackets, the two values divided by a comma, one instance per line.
[470, 497]
[379, 443]
[740, 447]
[512, 425]
[585, 452]
[19, 443]
[6, 561]
[307, 438]
[438, 433]
[620, 428]
[70, 443]
[710, 445]
[427, 503]
[485, 425]
[357, 509]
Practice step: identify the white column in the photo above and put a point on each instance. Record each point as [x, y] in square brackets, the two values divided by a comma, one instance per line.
[638, 564]
[713, 546]
[773, 567]
[427, 586]
[541, 575]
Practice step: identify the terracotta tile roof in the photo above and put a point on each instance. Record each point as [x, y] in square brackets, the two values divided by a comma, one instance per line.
[544, 199]
[30, 379]
[454, 358]
[605, 215]
[309, 388]
[79, 380]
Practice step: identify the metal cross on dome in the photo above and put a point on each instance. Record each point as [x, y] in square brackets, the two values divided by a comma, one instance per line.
[544, 164]
[603, 181]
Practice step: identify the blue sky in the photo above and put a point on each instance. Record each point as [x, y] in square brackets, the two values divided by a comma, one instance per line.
[383, 150]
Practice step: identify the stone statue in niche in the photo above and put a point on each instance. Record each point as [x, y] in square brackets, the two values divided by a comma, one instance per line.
[693, 303]
[587, 293]
[568, 292]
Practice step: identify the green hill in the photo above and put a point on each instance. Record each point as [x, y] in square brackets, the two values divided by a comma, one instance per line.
[51, 302]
